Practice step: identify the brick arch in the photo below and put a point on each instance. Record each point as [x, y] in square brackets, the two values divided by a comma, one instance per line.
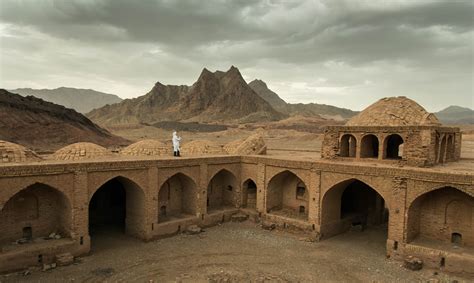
[248, 179]
[369, 146]
[333, 204]
[177, 197]
[41, 207]
[367, 180]
[123, 177]
[420, 193]
[12, 191]
[216, 171]
[345, 148]
[164, 180]
[134, 204]
[283, 195]
[282, 170]
[223, 189]
[421, 222]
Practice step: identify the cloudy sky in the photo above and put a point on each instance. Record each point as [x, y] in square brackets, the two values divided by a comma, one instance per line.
[344, 53]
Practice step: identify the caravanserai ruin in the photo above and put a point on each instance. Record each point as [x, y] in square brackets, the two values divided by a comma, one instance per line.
[393, 164]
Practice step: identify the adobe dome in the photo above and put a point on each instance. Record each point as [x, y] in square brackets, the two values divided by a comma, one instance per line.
[80, 151]
[147, 147]
[15, 153]
[201, 147]
[394, 111]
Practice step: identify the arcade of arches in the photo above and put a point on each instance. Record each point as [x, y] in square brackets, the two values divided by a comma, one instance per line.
[437, 219]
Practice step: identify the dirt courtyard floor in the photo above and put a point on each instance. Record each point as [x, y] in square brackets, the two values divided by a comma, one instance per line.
[237, 252]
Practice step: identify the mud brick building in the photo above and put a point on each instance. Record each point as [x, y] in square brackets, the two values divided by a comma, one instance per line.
[393, 165]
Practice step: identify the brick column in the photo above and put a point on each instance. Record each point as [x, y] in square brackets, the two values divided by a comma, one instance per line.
[80, 211]
[151, 203]
[261, 190]
[201, 207]
[314, 195]
[397, 216]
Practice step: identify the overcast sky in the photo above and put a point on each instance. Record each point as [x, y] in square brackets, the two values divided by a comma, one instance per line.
[344, 53]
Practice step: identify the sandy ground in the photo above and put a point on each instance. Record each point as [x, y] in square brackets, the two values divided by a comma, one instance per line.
[279, 142]
[236, 252]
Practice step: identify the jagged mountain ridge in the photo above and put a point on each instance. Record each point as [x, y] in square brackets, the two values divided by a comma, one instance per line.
[214, 97]
[81, 100]
[309, 109]
[39, 124]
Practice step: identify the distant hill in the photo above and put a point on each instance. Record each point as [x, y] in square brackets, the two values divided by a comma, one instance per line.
[43, 125]
[456, 115]
[299, 109]
[214, 97]
[81, 100]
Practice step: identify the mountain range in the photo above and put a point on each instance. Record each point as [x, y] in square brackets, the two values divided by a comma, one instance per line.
[299, 109]
[39, 124]
[81, 100]
[216, 97]
[456, 115]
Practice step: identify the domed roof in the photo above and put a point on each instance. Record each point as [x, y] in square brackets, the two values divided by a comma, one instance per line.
[394, 111]
[15, 153]
[201, 147]
[80, 151]
[147, 147]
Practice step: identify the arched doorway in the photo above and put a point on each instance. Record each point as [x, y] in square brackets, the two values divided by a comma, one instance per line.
[249, 192]
[444, 217]
[35, 212]
[393, 147]
[369, 147]
[221, 191]
[117, 206]
[287, 195]
[177, 198]
[353, 204]
[348, 146]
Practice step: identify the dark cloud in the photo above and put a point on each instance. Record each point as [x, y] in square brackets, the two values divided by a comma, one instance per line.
[342, 52]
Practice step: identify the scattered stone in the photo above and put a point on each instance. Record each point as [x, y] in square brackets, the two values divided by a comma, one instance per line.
[314, 237]
[22, 241]
[25, 273]
[239, 217]
[268, 225]
[52, 235]
[193, 230]
[47, 267]
[57, 236]
[64, 259]
[413, 263]
[357, 227]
